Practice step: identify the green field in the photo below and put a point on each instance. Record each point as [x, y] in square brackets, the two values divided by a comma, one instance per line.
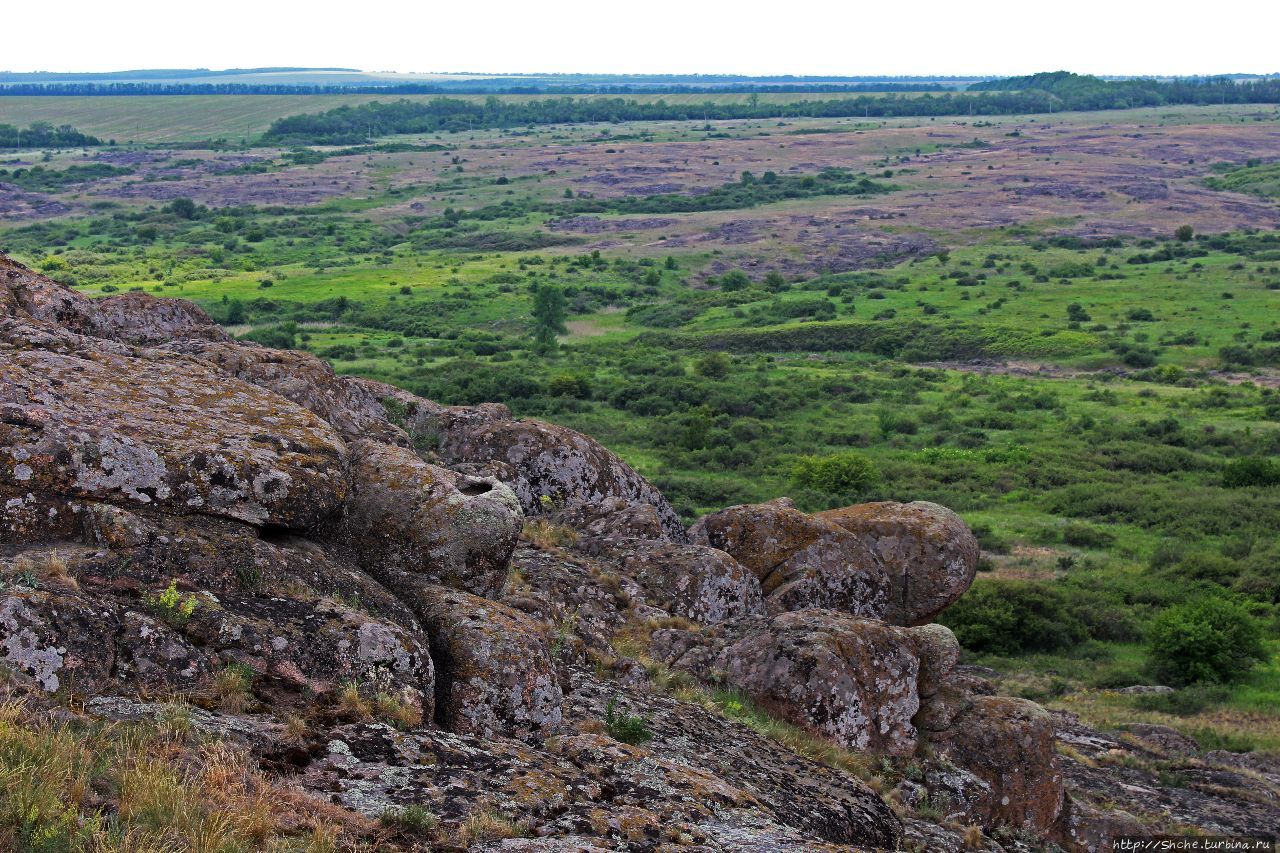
[170, 119]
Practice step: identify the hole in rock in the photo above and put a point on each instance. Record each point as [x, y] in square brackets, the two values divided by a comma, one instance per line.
[476, 487]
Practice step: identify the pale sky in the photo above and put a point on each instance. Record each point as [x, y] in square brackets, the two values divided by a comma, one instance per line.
[925, 37]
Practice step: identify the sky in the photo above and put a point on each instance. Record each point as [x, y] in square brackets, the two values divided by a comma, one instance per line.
[920, 37]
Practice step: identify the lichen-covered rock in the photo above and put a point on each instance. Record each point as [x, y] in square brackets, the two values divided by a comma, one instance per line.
[300, 649]
[141, 318]
[356, 408]
[939, 652]
[614, 517]
[1008, 744]
[31, 294]
[694, 581]
[404, 515]
[1081, 828]
[801, 560]
[164, 432]
[928, 552]
[555, 467]
[493, 666]
[28, 517]
[155, 658]
[57, 639]
[852, 679]
[221, 556]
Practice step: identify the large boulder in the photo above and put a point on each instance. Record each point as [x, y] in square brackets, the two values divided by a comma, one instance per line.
[29, 294]
[404, 515]
[1008, 744]
[928, 553]
[495, 674]
[554, 468]
[801, 560]
[163, 432]
[141, 318]
[852, 679]
[694, 581]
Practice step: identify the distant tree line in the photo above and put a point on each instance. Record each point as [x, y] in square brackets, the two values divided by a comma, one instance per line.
[347, 125]
[90, 89]
[44, 135]
[1086, 92]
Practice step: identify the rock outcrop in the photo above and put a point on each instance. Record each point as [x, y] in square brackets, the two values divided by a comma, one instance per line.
[927, 551]
[404, 515]
[854, 680]
[554, 468]
[800, 560]
[339, 578]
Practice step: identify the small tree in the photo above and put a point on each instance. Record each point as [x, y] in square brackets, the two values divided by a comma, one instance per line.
[844, 475]
[235, 313]
[183, 208]
[713, 366]
[548, 317]
[1213, 638]
[1184, 233]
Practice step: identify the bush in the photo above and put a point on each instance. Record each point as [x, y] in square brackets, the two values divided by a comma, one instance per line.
[845, 474]
[1087, 536]
[1007, 617]
[1186, 702]
[1251, 471]
[1210, 639]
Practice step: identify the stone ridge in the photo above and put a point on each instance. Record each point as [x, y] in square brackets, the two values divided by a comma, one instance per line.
[457, 602]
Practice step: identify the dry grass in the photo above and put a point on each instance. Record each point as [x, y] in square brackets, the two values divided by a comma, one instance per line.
[48, 567]
[396, 711]
[1109, 711]
[296, 728]
[59, 781]
[484, 826]
[232, 688]
[351, 703]
[547, 534]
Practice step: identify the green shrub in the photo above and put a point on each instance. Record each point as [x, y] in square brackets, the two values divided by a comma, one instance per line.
[1011, 617]
[1186, 702]
[1087, 536]
[1251, 471]
[844, 474]
[1209, 639]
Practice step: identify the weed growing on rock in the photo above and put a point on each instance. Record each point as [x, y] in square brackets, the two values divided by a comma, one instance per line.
[396, 711]
[171, 607]
[487, 826]
[564, 633]
[48, 567]
[351, 704]
[412, 820]
[547, 534]
[628, 728]
[296, 728]
[232, 688]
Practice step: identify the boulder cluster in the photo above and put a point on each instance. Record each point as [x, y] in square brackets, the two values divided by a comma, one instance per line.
[496, 587]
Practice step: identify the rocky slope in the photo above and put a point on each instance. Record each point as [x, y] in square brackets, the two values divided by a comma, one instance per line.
[457, 609]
